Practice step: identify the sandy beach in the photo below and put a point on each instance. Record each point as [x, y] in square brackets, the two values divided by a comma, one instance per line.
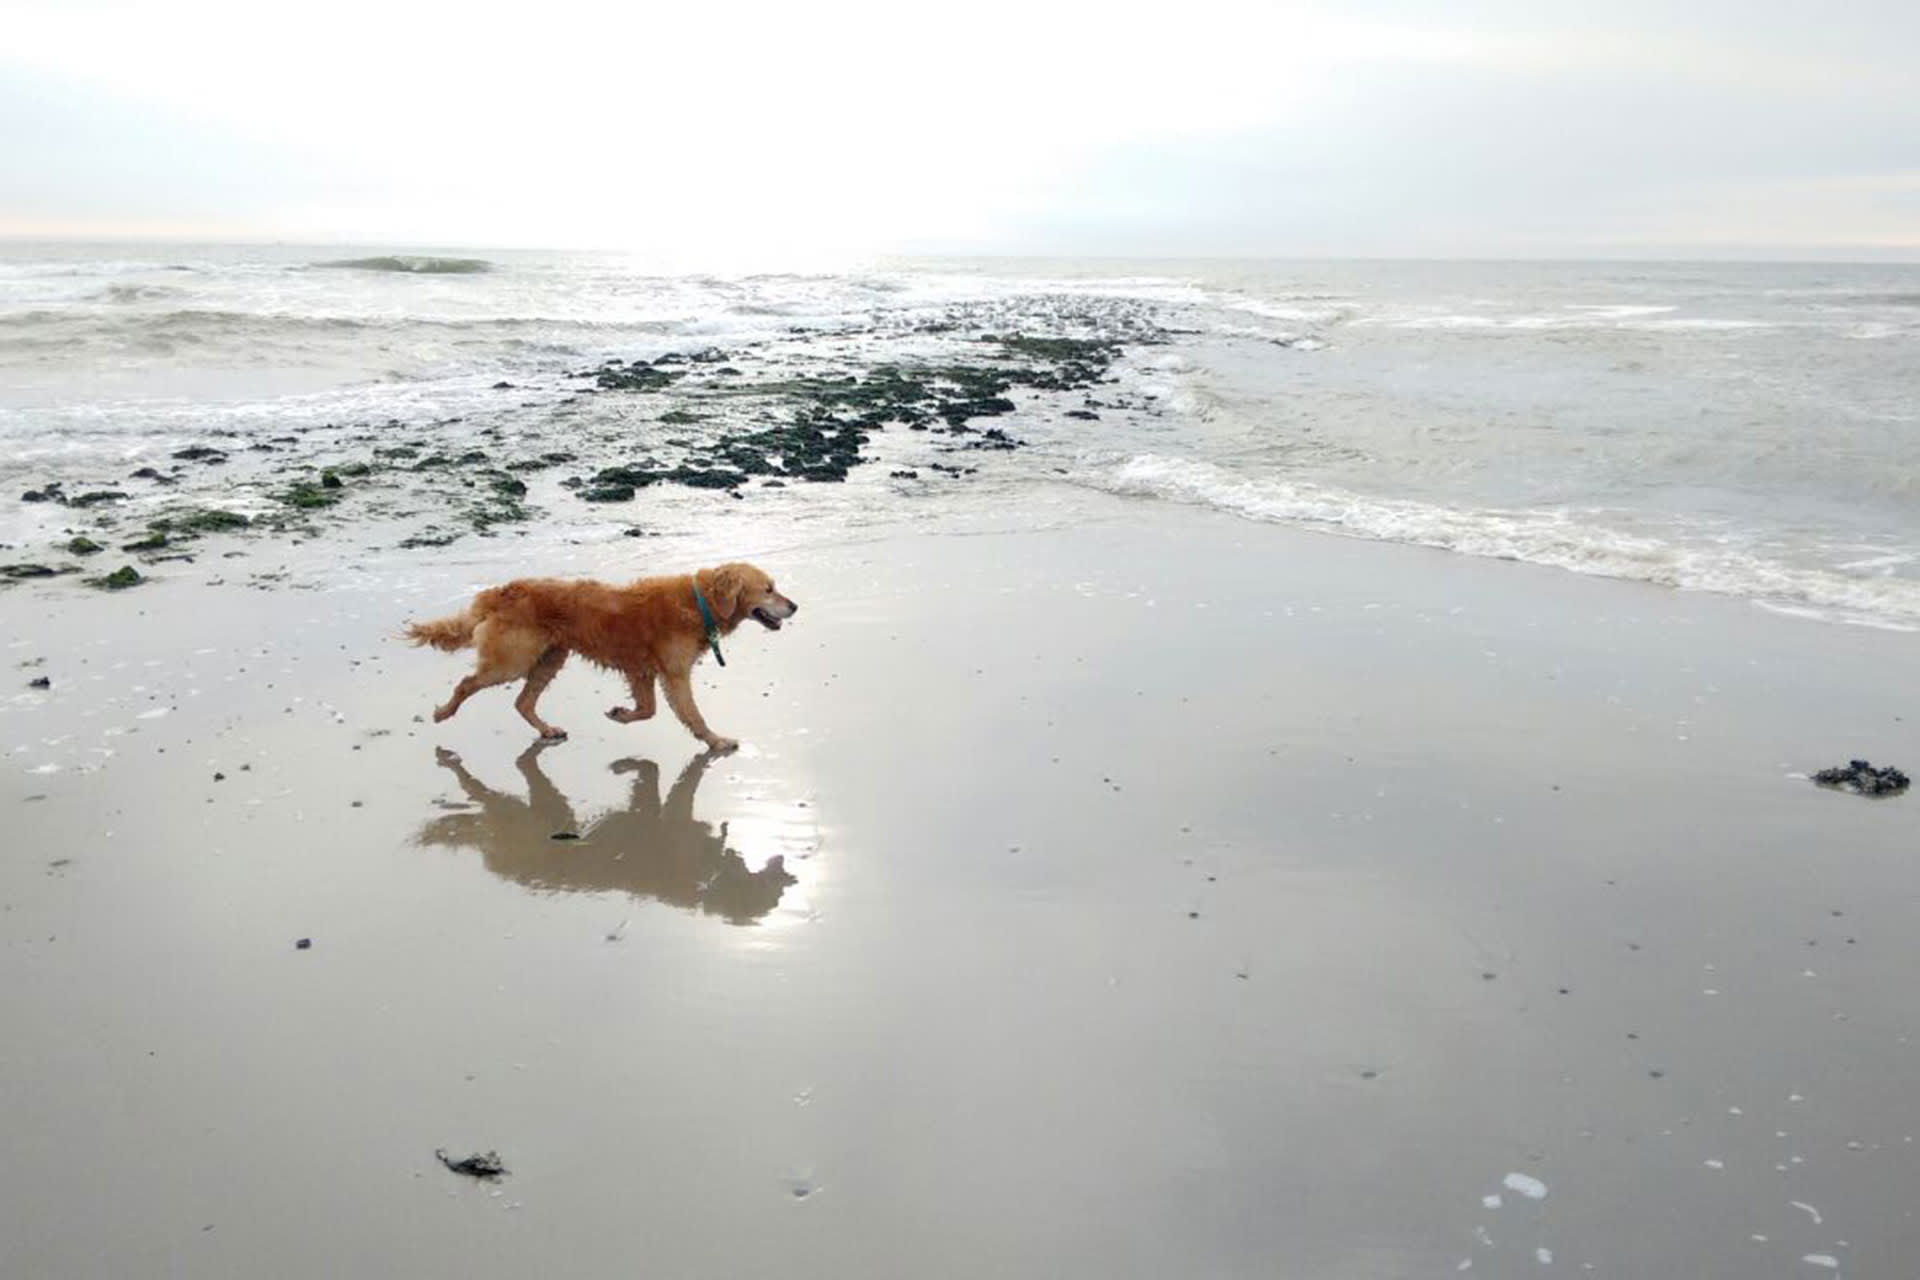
[1153, 894]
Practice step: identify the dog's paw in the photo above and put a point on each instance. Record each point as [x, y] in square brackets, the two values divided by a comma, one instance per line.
[445, 756]
[722, 746]
[553, 733]
[442, 713]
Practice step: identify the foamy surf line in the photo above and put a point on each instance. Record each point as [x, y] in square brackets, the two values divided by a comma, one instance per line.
[1543, 537]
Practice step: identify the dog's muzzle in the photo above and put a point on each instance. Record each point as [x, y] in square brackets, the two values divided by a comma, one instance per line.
[771, 614]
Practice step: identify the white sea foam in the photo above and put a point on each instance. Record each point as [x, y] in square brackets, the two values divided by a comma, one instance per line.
[1525, 1184]
[1552, 537]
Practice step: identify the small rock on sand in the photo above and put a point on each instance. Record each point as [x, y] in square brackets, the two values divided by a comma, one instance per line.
[487, 1165]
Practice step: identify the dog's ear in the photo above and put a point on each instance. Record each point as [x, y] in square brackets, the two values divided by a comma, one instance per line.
[723, 588]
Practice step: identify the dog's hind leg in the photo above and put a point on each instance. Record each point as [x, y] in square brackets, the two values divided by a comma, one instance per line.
[544, 670]
[641, 683]
[501, 658]
[466, 689]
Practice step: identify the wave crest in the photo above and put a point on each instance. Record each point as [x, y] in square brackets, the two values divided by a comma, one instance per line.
[1555, 538]
[408, 264]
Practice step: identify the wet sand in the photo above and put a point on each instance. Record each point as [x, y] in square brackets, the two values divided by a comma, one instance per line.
[1160, 895]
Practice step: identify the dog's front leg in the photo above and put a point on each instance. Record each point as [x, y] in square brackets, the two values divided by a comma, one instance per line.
[641, 684]
[680, 698]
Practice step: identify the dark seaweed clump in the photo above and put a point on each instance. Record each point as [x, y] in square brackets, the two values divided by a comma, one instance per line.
[486, 1165]
[1863, 779]
[828, 430]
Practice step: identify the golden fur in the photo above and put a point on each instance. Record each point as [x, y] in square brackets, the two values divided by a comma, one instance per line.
[648, 630]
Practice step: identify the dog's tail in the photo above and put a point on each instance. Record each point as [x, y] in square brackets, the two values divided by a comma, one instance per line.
[444, 633]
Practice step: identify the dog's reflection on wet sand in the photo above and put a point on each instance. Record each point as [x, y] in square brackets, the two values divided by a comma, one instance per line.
[649, 849]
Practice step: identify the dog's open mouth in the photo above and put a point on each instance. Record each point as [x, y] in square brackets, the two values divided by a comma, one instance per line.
[766, 619]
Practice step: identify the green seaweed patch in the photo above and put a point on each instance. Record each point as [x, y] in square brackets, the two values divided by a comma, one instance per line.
[307, 496]
[431, 538]
[97, 497]
[209, 520]
[84, 546]
[504, 511]
[119, 580]
[1058, 350]
[17, 572]
[155, 541]
[636, 375]
[542, 462]
[681, 418]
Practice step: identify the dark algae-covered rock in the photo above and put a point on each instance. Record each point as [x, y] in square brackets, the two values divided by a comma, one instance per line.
[1863, 779]
[833, 417]
[119, 580]
[798, 406]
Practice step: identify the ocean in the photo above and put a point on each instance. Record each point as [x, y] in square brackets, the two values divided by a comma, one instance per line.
[1747, 429]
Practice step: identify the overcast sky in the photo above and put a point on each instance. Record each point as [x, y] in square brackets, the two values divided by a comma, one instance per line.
[1494, 128]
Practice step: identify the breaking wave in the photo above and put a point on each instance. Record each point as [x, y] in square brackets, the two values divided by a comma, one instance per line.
[1553, 537]
[409, 265]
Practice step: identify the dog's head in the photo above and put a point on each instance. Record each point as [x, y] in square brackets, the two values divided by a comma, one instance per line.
[739, 591]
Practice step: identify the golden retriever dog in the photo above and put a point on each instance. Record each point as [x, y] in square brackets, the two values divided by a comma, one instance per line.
[649, 630]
